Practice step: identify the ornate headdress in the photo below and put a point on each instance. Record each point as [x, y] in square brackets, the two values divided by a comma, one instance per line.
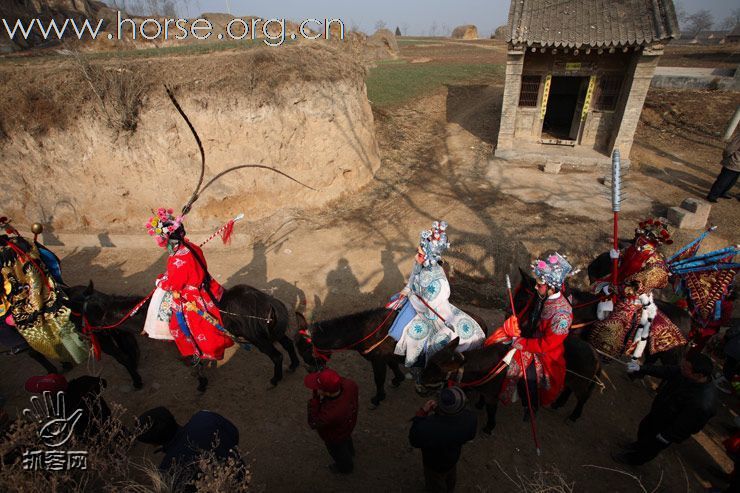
[553, 270]
[434, 242]
[654, 231]
[162, 225]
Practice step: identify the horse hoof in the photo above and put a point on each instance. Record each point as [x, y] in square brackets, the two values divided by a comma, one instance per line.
[487, 433]
[373, 406]
[397, 383]
[292, 368]
[202, 384]
[138, 385]
[273, 383]
[408, 376]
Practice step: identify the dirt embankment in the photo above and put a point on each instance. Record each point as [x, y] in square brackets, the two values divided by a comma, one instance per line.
[95, 146]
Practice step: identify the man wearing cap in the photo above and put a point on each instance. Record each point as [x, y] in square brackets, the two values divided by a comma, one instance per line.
[332, 412]
[440, 429]
[686, 401]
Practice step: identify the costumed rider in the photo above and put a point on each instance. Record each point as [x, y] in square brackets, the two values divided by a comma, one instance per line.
[427, 321]
[32, 301]
[636, 323]
[189, 293]
[540, 358]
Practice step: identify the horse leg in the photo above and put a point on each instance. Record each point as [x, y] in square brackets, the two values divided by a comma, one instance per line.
[276, 357]
[379, 371]
[199, 371]
[108, 346]
[582, 397]
[491, 409]
[290, 349]
[41, 359]
[398, 375]
[562, 398]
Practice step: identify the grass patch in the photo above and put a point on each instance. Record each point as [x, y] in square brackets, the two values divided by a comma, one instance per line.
[393, 84]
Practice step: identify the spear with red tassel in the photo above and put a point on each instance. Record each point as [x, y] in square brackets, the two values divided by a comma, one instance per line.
[224, 231]
[616, 206]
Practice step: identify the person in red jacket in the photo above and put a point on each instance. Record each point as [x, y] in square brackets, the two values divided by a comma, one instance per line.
[332, 412]
[540, 355]
[195, 324]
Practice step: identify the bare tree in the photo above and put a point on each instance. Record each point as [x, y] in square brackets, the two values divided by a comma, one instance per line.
[698, 21]
[731, 20]
[380, 25]
[433, 29]
[405, 28]
[681, 13]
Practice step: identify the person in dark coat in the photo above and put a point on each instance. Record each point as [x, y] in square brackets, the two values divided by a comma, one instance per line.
[440, 429]
[729, 173]
[184, 445]
[685, 402]
[332, 412]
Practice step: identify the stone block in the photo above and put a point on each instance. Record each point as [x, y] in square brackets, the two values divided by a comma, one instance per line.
[684, 219]
[552, 167]
[697, 206]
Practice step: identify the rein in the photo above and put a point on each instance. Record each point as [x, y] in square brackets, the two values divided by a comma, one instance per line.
[87, 328]
[492, 373]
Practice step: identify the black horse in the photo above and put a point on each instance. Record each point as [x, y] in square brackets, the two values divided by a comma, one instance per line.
[365, 332]
[476, 369]
[249, 315]
[117, 343]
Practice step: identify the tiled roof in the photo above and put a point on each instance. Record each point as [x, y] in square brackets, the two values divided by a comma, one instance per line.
[596, 23]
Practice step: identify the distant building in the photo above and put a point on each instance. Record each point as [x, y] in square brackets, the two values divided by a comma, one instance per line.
[734, 35]
[577, 75]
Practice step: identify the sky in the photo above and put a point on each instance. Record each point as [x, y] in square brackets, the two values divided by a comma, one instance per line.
[419, 16]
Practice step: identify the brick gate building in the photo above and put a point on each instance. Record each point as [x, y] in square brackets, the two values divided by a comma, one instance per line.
[577, 74]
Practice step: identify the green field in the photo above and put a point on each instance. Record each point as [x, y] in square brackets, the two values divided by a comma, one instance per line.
[396, 81]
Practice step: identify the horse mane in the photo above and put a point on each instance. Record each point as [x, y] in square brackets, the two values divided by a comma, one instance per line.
[345, 321]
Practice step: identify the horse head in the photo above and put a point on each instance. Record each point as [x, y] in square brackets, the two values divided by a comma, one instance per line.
[87, 302]
[439, 367]
[304, 344]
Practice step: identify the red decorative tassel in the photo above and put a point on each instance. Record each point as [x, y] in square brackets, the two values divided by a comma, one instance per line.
[226, 234]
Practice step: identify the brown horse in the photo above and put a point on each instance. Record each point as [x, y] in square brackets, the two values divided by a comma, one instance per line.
[482, 370]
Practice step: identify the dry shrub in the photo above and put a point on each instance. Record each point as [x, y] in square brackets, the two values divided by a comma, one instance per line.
[119, 92]
[111, 466]
[549, 480]
[47, 113]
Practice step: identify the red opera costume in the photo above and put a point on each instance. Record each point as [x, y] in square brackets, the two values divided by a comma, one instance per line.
[194, 319]
[642, 269]
[544, 350]
[185, 278]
